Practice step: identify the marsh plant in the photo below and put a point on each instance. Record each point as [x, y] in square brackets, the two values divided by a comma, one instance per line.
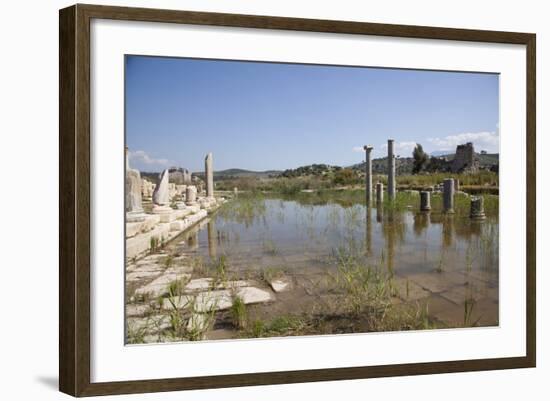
[269, 247]
[188, 320]
[469, 305]
[364, 287]
[239, 313]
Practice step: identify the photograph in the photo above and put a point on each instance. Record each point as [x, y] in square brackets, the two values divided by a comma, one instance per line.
[269, 199]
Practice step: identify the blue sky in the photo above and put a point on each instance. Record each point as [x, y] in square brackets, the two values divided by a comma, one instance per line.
[263, 116]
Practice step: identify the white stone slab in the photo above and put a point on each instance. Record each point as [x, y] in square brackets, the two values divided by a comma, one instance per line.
[159, 286]
[280, 285]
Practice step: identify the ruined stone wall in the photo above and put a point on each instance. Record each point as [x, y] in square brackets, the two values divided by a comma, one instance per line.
[465, 160]
[180, 176]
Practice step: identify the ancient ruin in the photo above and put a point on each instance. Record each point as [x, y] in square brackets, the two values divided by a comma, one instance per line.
[476, 208]
[465, 160]
[448, 195]
[209, 175]
[134, 210]
[191, 195]
[179, 175]
[425, 205]
[173, 208]
[368, 171]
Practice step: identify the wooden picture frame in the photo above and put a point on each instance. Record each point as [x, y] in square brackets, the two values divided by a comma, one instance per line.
[75, 208]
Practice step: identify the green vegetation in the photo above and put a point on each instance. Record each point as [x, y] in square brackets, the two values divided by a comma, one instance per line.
[154, 244]
[285, 325]
[420, 159]
[239, 315]
[481, 182]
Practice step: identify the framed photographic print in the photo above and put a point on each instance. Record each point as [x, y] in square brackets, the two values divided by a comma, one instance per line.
[250, 200]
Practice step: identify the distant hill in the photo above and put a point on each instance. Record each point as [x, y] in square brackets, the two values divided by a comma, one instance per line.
[239, 173]
[404, 165]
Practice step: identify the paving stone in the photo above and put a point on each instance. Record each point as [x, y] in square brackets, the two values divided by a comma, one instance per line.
[137, 309]
[219, 299]
[280, 285]
[160, 285]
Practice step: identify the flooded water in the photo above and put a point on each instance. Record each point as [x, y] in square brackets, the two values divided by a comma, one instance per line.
[446, 263]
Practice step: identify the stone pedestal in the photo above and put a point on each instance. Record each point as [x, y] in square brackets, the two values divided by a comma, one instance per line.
[135, 216]
[477, 211]
[448, 195]
[181, 205]
[425, 204]
[391, 170]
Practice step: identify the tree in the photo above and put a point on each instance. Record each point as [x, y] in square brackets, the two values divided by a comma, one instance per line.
[420, 159]
[345, 176]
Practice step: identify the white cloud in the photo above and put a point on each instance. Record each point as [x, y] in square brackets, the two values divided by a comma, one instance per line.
[141, 157]
[403, 149]
[358, 149]
[488, 141]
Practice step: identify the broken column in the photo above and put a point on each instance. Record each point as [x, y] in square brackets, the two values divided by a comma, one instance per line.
[448, 195]
[161, 195]
[191, 195]
[391, 170]
[425, 205]
[209, 176]
[368, 172]
[476, 208]
[134, 210]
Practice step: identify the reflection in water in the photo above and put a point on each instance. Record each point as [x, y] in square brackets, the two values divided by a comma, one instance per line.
[369, 230]
[443, 258]
[212, 239]
[447, 230]
[193, 239]
[420, 222]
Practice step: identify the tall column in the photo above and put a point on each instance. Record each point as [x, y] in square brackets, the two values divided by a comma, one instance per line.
[448, 195]
[368, 172]
[209, 176]
[391, 170]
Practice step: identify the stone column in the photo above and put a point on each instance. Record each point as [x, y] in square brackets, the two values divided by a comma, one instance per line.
[379, 192]
[133, 207]
[457, 185]
[476, 208]
[209, 176]
[391, 170]
[368, 172]
[425, 205]
[191, 195]
[448, 195]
